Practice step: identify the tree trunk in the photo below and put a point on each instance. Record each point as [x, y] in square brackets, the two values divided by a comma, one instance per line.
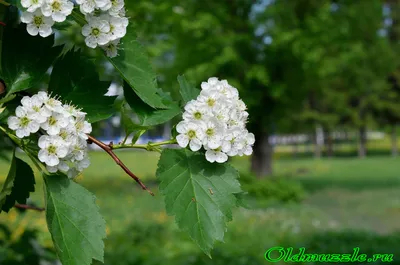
[261, 161]
[394, 141]
[362, 142]
[318, 141]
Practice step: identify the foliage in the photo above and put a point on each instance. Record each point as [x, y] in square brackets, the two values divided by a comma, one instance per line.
[33, 254]
[53, 129]
[278, 189]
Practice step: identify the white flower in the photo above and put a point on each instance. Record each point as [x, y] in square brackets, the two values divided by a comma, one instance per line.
[247, 142]
[62, 166]
[210, 98]
[104, 5]
[55, 123]
[52, 104]
[86, 6]
[117, 27]
[96, 32]
[222, 114]
[195, 111]
[31, 5]
[78, 150]
[216, 155]
[228, 91]
[37, 23]
[22, 124]
[33, 106]
[213, 135]
[212, 81]
[71, 110]
[58, 10]
[52, 148]
[43, 96]
[73, 173]
[116, 7]
[222, 117]
[111, 48]
[190, 133]
[84, 163]
[82, 128]
[89, 6]
[67, 135]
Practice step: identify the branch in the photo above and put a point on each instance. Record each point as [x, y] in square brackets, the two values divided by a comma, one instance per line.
[28, 207]
[108, 149]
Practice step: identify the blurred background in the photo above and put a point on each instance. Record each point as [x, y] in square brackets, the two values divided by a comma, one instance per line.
[321, 81]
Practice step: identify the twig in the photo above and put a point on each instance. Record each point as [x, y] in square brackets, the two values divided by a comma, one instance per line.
[28, 207]
[108, 149]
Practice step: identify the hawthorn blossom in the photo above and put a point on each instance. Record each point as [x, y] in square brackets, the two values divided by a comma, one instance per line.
[22, 124]
[220, 116]
[55, 123]
[96, 32]
[31, 5]
[37, 23]
[190, 134]
[58, 10]
[52, 148]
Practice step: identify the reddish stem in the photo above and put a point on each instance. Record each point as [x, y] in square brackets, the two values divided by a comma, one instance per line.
[108, 149]
[28, 207]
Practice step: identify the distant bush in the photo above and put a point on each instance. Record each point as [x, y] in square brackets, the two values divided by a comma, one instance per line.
[344, 242]
[25, 250]
[276, 189]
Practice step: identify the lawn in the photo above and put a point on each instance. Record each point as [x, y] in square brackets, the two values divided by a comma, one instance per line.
[349, 201]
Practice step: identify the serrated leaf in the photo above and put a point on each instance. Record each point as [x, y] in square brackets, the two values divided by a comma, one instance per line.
[25, 59]
[75, 79]
[188, 92]
[24, 183]
[134, 66]
[147, 115]
[74, 221]
[127, 122]
[9, 182]
[201, 195]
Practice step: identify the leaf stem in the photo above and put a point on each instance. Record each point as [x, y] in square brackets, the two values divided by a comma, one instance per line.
[125, 139]
[21, 144]
[4, 3]
[29, 207]
[108, 149]
[149, 146]
[78, 17]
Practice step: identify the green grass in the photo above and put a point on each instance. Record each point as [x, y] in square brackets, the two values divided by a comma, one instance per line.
[344, 194]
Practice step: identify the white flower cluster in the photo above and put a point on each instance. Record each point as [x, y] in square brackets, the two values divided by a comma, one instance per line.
[63, 145]
[106, 24]
[40, 15]
[106, 20]
[216, 120]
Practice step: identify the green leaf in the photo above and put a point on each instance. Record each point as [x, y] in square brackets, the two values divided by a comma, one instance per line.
[200, 194]
[188, 92]
[25, 59]
[74, 221]
[134, 66]
[147, 115]
[23, 184]
[4, 115]
[75, 79]
[9, 182]
[127, 122]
